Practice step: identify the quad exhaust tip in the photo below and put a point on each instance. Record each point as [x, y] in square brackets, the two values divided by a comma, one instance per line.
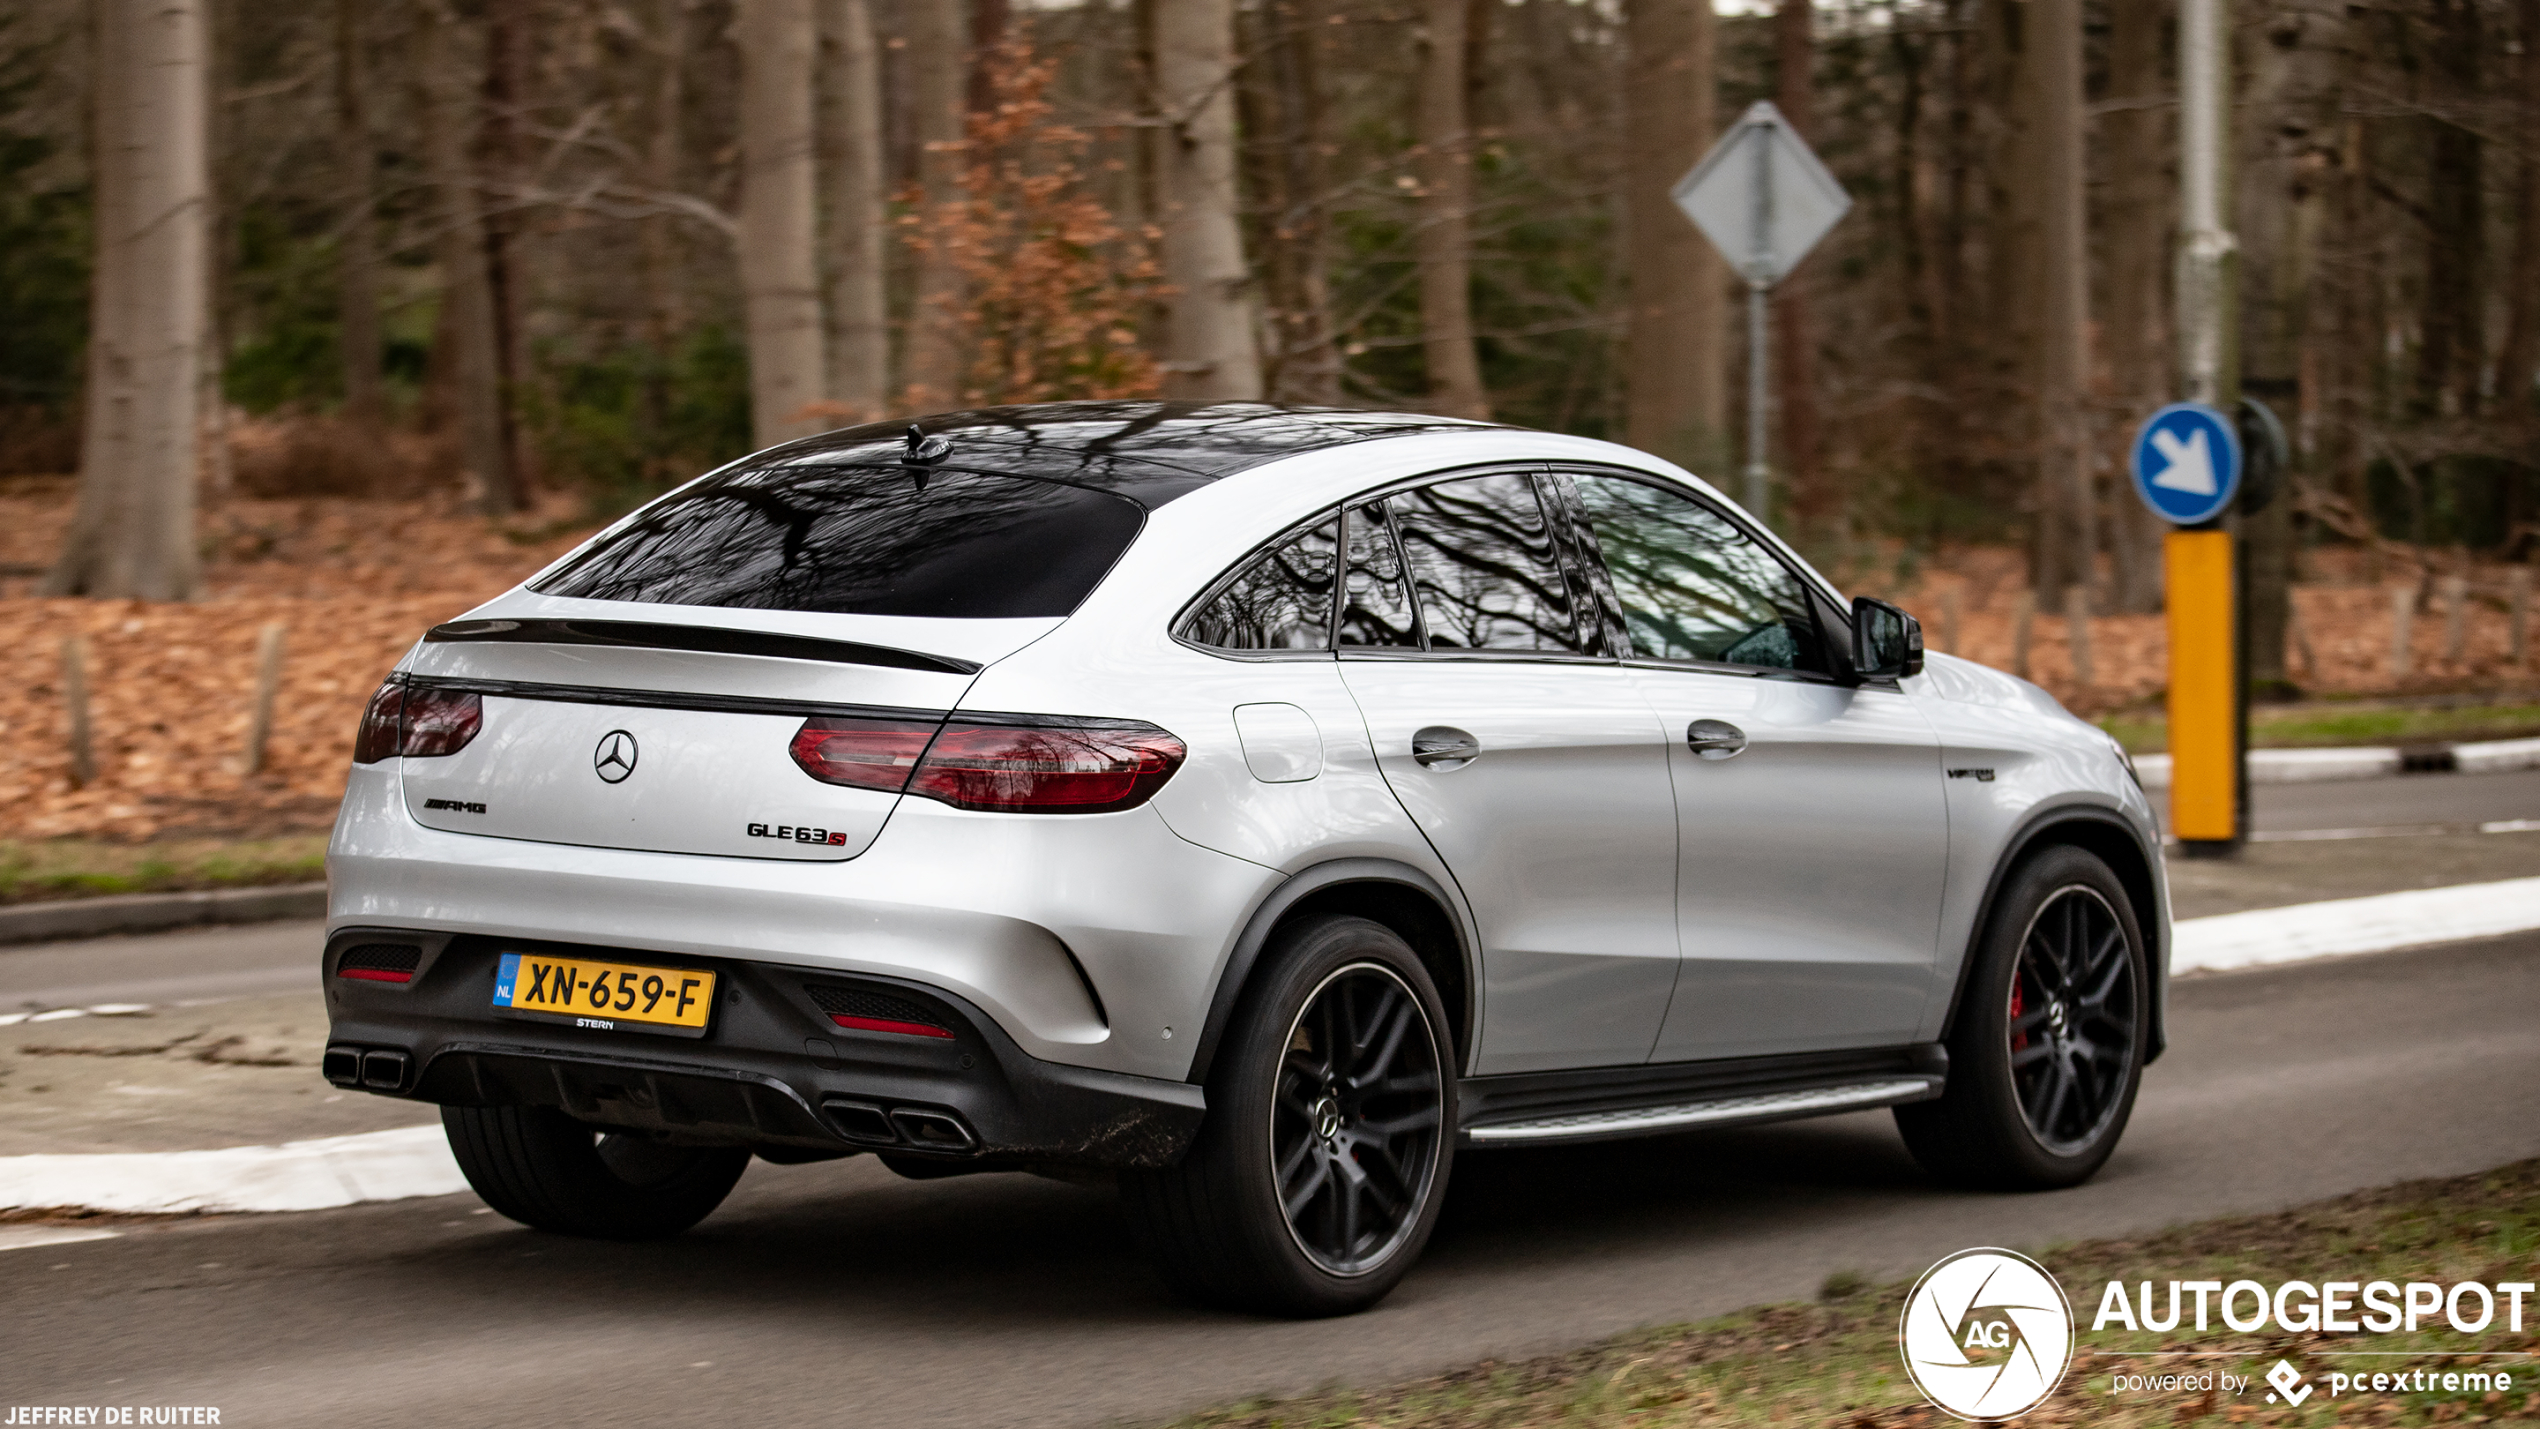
[377, 1069]
[913, 1128]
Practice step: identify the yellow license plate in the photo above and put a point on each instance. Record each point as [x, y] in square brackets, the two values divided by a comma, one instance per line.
[609, 997]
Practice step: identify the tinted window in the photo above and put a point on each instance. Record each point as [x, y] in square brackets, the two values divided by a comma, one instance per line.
[1377, 611]
[1691, 585]
[1281, 601]
[862, 541]
[1483, 567]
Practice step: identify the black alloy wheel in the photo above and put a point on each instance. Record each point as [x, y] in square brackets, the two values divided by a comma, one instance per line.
[1317, 1175]
[1355, 1119]
[2071, 1020]
[2049, 1036]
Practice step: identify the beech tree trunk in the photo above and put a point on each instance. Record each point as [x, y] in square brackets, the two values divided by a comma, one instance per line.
[467, 290]
[1303, 364]
[1209, 350]
[859, 351]
[2452, 346]
[2050, 108]
[357, 260]
[2290, 139]
[1816, 507]
[2519, 365]
[133, 534]
[1676, 396]
[780, 272]
[501, 167]
[2139, 217]
[1444, 167]
[937, 47]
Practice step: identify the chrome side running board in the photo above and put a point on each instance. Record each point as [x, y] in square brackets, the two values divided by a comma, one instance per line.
[1769, 1106]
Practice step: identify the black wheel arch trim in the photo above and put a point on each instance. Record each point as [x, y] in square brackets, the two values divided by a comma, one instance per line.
[2026, 838]
[1322, 877]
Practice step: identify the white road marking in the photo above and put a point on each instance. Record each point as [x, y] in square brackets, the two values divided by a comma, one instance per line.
[295, 1176]
[29, 1237]
[2343, 927]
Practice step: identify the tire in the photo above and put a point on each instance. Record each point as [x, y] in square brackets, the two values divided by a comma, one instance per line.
[544, 1169]
[1361, 1143]
[2048, 1049]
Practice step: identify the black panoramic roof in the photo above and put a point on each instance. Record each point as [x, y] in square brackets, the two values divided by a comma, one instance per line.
[1150, 452]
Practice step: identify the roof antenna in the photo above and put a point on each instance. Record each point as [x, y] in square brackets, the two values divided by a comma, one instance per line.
[922, 455]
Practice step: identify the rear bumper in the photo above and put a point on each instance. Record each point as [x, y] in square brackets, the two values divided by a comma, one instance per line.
[772, 1071]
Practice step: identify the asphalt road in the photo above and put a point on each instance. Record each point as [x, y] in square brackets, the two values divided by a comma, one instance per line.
[266, 958]
[839, 1293]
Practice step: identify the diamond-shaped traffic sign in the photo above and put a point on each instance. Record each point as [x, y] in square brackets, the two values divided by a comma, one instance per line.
[1761, 196]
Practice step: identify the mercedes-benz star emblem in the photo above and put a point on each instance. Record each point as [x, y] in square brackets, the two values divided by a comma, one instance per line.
[615, 758]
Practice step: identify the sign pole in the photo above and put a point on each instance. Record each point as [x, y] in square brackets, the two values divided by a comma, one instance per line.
[1759, 397]
[1763, 217]
[2208, 699]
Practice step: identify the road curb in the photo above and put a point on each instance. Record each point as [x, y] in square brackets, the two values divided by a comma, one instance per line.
[151, 912]
[2306, 766]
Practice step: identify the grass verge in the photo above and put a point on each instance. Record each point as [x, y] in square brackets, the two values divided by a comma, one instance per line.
[1835, 1363]
[42, 870]
[2312, 726]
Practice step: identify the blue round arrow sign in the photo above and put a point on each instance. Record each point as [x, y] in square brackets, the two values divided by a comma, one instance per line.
[2187, 463]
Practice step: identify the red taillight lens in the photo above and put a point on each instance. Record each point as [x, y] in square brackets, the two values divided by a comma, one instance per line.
[440, 721]
[889, 1024]
[1054, 767]
[861, 753]
[377, 738]
[417, 721]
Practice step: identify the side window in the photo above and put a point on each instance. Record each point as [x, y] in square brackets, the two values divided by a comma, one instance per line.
[1282, 600]
[1692, 586]
[1483, 568]
[1377, 608]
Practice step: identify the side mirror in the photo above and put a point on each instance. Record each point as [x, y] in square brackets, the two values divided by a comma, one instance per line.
[1887, 643]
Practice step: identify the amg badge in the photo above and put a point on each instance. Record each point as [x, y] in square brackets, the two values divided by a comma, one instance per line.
[797, 834]
[455, 806]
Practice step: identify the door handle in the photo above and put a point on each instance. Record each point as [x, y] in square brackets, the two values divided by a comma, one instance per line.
[1444, 747]
[1715, 739]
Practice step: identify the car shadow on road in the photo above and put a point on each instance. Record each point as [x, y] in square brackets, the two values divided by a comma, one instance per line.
[849, 1241]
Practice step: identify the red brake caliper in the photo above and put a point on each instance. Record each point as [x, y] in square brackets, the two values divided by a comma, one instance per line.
[2019, 1001]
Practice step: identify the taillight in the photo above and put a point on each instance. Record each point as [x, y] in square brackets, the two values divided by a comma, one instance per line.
[417, 721]
[440, 721]
[377, 738]
[861, 753]
[1048, 767]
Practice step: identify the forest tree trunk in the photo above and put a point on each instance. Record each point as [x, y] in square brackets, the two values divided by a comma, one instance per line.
[467, 290]
[2136, 139]
[2519, 365]
[937, 50]
[2050, 105]
[2289, 149]
[133, 534]
[1209, 351]
[1303, 364]
[779, 240]
[1676, 396]
[1815, 506]
[357, 254]
[502, 166]
[859, 355]
[2452, 347]
[1444, 166]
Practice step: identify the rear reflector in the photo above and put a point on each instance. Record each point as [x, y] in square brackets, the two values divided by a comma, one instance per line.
[375, 975]
[379, 962]
[884, 1024]
[417, 721]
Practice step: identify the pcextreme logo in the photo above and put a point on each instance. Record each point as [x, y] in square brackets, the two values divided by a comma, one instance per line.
[1986, 1334]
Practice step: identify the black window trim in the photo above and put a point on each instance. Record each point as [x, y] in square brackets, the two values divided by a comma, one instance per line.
[1772, 550]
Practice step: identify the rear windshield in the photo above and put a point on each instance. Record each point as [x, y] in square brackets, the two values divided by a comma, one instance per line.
[861, 541]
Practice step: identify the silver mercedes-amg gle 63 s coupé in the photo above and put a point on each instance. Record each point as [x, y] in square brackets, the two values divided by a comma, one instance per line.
[1262, 806]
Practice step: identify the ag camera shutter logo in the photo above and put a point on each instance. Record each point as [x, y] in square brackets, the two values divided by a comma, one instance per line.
[1986, 1334]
